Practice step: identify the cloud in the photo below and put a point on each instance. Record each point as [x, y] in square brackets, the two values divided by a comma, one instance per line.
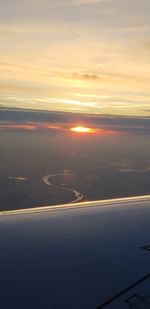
[50, 49]
[52, 127]
[76, 2]
[146, 45]
[56, 121]
[73, 33]
[17, 126]
[76, 103]
[104, 77]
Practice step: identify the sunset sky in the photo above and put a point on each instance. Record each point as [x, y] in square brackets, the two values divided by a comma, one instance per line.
[82, 56]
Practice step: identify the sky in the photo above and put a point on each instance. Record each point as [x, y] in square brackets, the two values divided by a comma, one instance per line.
[81, 56]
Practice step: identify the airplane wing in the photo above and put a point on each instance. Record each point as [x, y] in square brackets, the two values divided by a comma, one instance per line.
[87, 255]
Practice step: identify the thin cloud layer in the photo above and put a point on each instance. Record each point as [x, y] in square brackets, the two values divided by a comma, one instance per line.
[62, 122]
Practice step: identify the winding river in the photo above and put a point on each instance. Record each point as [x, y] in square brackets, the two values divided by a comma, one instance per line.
[47, 180]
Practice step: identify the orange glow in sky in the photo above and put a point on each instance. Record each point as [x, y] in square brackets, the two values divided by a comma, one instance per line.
[80, 129]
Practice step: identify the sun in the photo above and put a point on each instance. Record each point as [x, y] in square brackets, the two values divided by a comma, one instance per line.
[81, 129]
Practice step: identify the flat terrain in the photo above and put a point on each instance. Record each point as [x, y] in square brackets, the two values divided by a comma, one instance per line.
[50, 168]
